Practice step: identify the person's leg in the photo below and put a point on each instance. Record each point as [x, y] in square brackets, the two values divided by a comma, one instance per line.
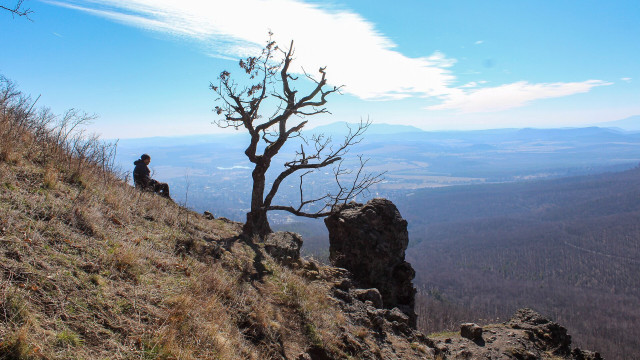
[156, 186]
[161, 189]
[165, 189]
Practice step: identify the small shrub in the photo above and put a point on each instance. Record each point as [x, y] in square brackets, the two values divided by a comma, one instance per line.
[312, 333]
[68, 338]
[16, 347]
[50, 179]
[9, 156]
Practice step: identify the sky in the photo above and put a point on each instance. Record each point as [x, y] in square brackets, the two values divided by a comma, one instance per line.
[144, 66]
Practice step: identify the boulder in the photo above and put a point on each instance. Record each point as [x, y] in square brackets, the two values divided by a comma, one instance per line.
[471, 331]
[548, 335]
[396, 315]
[369, 240]
[372, 295]
[283, 246]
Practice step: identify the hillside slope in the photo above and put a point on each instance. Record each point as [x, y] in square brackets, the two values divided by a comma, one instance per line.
[91, 268]
[567, 247]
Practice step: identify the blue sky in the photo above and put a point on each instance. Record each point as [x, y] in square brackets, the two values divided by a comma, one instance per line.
[144, 66]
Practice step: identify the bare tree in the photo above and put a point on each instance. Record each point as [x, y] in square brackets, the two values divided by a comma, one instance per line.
[269, 81]
[17, 9]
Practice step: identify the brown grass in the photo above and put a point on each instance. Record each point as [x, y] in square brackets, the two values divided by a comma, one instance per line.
[90, 267]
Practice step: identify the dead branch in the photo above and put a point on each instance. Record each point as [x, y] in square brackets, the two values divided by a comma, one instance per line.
[17, 10]
[268, 77]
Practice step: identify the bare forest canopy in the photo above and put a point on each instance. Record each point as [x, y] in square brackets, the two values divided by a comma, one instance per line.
[567, 247]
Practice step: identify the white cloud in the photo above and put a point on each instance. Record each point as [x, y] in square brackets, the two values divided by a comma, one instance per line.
[473, 84]
[478, 42]
[626, 79]
[355, 53]
[510, 95]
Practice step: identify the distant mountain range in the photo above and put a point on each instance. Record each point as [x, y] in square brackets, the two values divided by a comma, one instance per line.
[216, 167]
[631, 123]
[374, 129]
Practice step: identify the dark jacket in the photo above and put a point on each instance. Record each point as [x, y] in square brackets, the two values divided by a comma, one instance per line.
[141, 174]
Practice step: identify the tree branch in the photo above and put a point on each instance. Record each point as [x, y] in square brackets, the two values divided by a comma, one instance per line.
[298, 212]
[241, 105]
[17, 11]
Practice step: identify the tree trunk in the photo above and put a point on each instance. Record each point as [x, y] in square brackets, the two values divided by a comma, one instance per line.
[257, 222]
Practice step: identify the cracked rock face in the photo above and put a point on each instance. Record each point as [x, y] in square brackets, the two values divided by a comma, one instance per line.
[284, 246]
[370, 241]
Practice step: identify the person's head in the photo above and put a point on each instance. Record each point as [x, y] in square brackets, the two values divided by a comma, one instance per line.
[146, 158]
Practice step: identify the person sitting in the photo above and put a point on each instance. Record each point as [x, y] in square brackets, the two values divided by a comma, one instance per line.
[142, 179]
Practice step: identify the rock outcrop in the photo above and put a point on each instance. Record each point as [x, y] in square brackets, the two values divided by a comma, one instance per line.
[284, 246]
[370, 241]
[471, 331]
[528, 335]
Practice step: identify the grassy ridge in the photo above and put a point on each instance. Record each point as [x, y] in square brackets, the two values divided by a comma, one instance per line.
[90, 268]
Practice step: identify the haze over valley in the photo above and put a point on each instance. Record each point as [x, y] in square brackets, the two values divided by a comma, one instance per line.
[215, 168]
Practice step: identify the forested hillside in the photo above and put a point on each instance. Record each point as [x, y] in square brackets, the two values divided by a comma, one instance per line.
[569, 248]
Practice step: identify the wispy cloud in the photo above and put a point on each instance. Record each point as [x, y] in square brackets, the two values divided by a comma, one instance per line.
[511, 95]
[355, 53]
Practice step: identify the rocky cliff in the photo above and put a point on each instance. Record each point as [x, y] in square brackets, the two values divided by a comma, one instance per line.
[370, 241]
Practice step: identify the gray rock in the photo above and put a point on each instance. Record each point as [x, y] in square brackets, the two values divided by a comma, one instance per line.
[549, 335]
[585, 355]
[370, 241]
[343, 284]
[471, 331]
[372, 295]
[396, 315]
[283, 246]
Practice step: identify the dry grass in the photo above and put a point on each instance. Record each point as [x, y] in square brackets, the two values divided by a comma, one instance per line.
[90, 268]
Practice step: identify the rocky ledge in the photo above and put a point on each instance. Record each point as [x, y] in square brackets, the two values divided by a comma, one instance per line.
[527, 336]
[387, 333]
